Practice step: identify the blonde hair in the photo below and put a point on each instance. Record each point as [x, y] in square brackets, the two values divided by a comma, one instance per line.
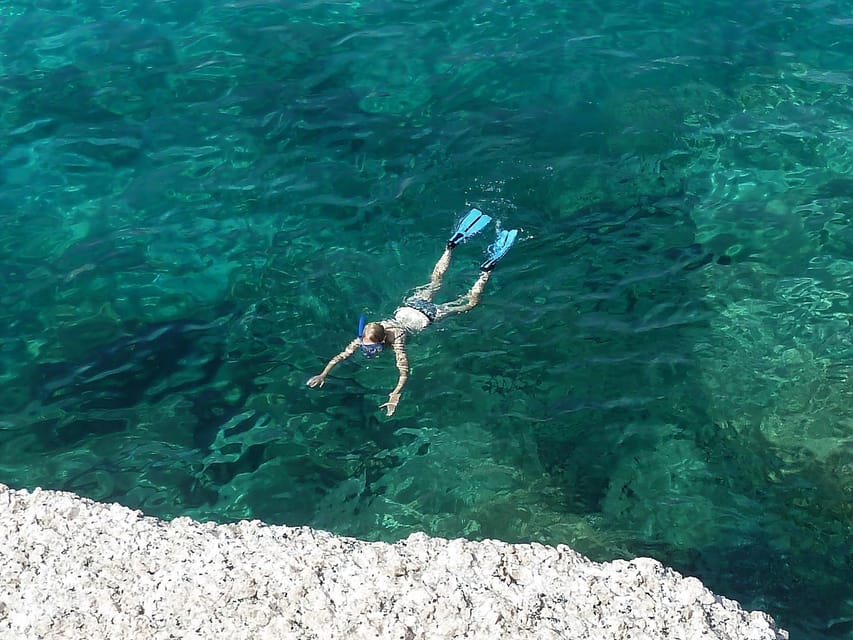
[374, 332]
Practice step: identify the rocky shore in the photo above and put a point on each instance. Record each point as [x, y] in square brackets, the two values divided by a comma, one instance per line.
[73, 568]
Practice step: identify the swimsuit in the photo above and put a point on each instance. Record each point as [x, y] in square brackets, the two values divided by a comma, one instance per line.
[424, 306]
[415, 315]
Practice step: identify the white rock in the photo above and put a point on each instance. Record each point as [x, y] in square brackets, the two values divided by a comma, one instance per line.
[71, 568]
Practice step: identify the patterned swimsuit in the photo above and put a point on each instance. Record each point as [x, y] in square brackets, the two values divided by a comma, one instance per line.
[424, 306]
[414, 316]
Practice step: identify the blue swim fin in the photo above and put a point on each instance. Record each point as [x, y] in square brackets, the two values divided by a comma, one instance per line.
[497, 250]
[474, 222]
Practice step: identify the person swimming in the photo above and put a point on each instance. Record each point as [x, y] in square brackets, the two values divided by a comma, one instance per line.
[419, 311]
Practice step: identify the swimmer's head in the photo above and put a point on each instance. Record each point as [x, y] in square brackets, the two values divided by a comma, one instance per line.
[371, 338]
[373, 332]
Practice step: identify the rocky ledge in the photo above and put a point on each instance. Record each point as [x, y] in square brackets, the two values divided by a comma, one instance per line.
[73, 568]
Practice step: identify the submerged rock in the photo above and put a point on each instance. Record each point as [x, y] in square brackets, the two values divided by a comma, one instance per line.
[73, 568]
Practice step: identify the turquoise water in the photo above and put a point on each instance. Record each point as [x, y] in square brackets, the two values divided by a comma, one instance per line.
[198, 198]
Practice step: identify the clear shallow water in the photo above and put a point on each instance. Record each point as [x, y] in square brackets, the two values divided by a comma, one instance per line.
[199, 198]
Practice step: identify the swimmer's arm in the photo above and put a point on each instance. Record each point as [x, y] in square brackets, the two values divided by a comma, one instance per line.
[320, 379]
[403, 368]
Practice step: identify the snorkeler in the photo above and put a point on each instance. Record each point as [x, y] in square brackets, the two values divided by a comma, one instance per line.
[419, 311]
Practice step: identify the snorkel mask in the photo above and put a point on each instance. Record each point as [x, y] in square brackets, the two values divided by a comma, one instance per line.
[367, 350]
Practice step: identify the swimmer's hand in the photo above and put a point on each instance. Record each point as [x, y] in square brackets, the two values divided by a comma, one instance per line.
[391, 405]
[317, 381]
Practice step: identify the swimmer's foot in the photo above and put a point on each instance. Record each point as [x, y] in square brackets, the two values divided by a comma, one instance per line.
[473, 223]
[497, 250]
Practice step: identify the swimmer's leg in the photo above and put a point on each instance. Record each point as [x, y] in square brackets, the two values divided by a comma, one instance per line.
[428, 291]
[465, 302]
[470, 225]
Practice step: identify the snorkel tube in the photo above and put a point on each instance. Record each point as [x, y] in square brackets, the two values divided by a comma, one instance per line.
[361, 326]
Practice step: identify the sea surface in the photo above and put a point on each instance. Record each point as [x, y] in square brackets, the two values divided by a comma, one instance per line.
[199, 198]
